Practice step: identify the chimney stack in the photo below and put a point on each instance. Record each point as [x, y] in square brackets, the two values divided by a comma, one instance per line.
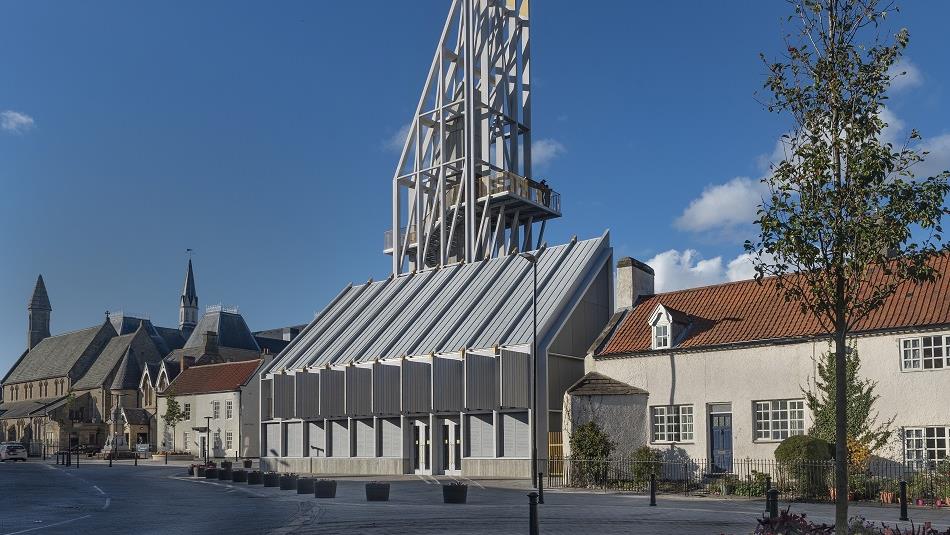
[211, 343]
[634, 280]
[185, 363]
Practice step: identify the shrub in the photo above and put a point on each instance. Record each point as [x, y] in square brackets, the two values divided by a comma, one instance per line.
[803, 464]
[646, 461]
[753, 485]
[589, 441]
[794, 524]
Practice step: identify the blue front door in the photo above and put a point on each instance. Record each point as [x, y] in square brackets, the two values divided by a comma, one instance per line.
[720, 439]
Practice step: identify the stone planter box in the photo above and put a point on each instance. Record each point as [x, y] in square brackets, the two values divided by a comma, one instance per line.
[288, 482]
[191, 470]
[211, 473]
[454, 493]
[182, 457]
[224, 474]
[377, 492]
[201, 471]
[324, 488]
[226, 465]
[239, 476]
[271, 479]
[305, 485]
[255, 478]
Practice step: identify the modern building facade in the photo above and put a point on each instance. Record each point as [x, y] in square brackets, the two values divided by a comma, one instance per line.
[718, 372]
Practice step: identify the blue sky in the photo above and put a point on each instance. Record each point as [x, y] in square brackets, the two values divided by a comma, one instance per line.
[259, 134]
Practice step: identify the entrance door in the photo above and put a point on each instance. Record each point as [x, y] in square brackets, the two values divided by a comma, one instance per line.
[446, 436]
[420, 449]
[720, 440]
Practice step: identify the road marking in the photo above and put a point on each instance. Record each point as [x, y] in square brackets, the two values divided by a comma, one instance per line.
[48, 526]
[427, 482]
[98, 489]
[108, 502]
[473, 482]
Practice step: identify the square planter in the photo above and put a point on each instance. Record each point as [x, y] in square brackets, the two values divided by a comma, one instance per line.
[288, 482]
[239, 476]
[305, 485]
[324, 488]
[248, 463]
[226, 465]
[271, 479]
[454, 493]
[255, 478]
[191, 470]
[224, 474]
[201, 471]
[377, 492]
[211, 473]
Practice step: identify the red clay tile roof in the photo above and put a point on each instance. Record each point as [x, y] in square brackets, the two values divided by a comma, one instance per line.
[745, 311]
[225, 377]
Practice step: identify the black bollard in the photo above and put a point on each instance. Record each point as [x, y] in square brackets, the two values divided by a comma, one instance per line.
[136, 458]
[540, 488]
[78, 455]
[771, 502]
[533, 514]
[69, 458]
[57, 457]
[652, 490]
[110, 458]
[166, 456]
[903, 500]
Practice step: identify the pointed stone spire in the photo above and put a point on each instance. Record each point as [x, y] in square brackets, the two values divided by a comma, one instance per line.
[39, 313]
[188, 308]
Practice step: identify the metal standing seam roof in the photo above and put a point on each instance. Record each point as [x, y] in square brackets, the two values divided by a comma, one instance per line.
[477, 305]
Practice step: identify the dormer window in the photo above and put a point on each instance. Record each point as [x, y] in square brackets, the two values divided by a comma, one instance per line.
[661, 336]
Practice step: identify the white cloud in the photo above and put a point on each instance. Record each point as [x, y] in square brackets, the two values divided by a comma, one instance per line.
[397, 140]
[905, 75]
[16, 122]
[675, 270]
[723, 207]
[545, 150]
[892, 132]
[938, 159]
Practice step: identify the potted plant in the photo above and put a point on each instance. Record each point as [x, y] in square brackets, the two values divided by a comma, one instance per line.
[454, 492]
[888, 492]
[271, 479]
[226, 465]
[288, 482]
[377, 492]
[255, 477]
[324, 488]
[201, 469]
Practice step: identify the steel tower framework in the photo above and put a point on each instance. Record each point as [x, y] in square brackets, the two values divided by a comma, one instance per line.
[462, 190]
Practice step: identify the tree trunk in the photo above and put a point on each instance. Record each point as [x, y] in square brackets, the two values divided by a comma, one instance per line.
[841, 433]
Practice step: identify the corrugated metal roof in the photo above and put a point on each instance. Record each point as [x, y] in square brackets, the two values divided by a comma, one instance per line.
[472, 306]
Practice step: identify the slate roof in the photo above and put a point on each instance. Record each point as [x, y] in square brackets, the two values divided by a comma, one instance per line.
[476, 305]
[747, 312]
[22, 409]
[271, 345]
[151, 368]
[173, 337]
[226, 377]
[165, 338]
[231, 329]
[136, 416]
[55, 356]
[105, 363]
[595, 384]
[40, 298]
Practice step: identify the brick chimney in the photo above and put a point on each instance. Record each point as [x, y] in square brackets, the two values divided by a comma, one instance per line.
[634, 280]
[185, 362]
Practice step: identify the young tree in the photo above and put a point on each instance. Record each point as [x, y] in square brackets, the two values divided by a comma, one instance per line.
[173, 415]
[863, 426]
[845, 222]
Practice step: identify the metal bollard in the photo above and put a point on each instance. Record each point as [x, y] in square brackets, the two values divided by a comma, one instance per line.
[69, 458]
[541, 488]
[136, 459]
[771, 502]
[78, 455]
[652, 490]
[110, 459]
[533, 514]
[57, 457]
[903, 500]
[166, 456]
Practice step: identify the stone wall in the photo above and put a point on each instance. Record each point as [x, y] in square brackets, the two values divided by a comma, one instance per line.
[624, 418]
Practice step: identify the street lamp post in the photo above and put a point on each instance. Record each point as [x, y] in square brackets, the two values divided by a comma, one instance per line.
[534, 369]
[207, 436]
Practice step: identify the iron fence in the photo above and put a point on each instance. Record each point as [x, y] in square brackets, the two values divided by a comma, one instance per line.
[749, 478]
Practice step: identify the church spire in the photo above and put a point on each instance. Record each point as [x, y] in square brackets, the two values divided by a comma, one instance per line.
[188, 308]
[39, 312]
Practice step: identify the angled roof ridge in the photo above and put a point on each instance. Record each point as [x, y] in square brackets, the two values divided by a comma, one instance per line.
[40, 298]
[223, 363]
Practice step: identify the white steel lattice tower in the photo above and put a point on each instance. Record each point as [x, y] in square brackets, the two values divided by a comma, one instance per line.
[463, 189]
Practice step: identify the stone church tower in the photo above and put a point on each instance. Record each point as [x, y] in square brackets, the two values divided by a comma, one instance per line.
[40, 309]
[188, 308]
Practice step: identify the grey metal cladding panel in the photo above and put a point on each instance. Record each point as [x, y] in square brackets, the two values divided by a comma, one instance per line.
[515, 379]
[272, 440]
[317, 439]
[293, 353]
[481, 388]
[365, 435]
[480, 437]
[340, 438]
[283, 396]
[488, 307]
[307, 391]
[386, 388]
[407, 310]
[293, 443]
[447, 384]
[411, 287]
[517, 307]
[391, 437]
[416, 386]
[429, 316]
[341, 347]
[359, 391]
[315, 355]
[574, 268]
[332, 387]
[267, 396]
[462, 308]
[514, 434]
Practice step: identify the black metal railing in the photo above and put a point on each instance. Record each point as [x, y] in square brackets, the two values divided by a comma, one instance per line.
[879, 481]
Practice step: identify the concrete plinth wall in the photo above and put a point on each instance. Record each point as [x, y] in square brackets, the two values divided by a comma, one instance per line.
[335, 466]
[497, 468]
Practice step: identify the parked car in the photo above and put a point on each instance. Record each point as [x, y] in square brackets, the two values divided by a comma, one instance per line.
[12, 452]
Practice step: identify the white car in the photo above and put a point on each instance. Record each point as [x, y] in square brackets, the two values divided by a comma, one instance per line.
[12, 452]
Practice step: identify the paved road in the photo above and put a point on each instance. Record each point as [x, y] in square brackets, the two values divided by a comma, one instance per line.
[44, 499]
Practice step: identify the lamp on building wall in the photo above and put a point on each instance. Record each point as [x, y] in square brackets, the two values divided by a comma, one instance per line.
[534, 369]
